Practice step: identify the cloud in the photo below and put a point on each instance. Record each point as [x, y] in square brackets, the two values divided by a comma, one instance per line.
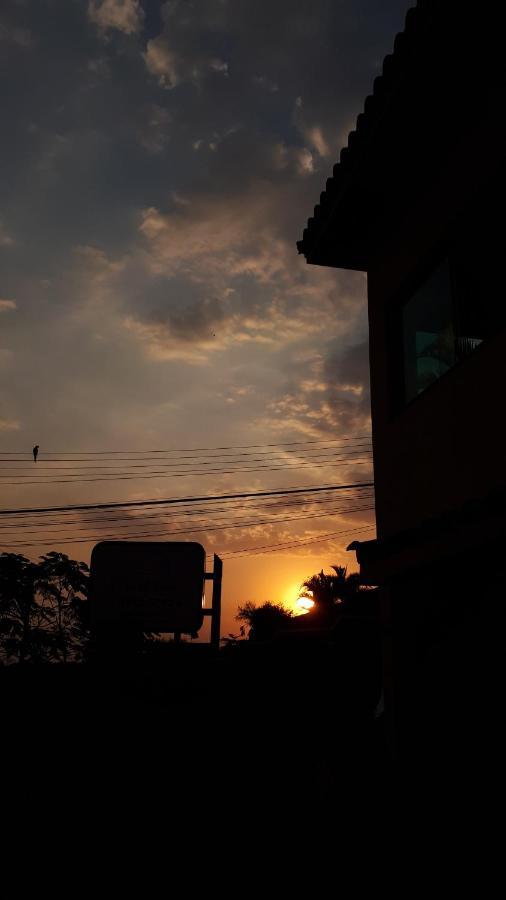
[171, 67]
[162, 62]
[156, 282]
[212, 297]
[9, 425]
[7, 305]
[316, 139]
[305, 163]
[326, 392]
[162, 346]
[97, 265]
[347, 374]
[209, 239]
[122, 15]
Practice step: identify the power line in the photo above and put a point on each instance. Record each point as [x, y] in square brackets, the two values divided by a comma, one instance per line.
[194, 530]
[162, 474]
[231, 505]
[193, 499]
[74, 471]
[274, 548]
[220, 510]
[349, 450]
[199, 525]
[195, 449]
[326, 452]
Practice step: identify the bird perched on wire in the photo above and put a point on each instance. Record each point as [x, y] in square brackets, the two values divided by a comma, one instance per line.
[35, 452]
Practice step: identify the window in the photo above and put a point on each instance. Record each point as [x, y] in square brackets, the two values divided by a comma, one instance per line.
[458, 306]
[428, 332]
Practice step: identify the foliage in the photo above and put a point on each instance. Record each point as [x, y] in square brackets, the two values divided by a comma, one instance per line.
[263, 621]
[22, 621]
[43, 608]
[63, 586]
[331, 590]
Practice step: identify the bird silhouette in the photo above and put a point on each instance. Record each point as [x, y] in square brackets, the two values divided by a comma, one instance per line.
[35, 452]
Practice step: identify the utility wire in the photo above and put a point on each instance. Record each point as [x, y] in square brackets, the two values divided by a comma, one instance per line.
[50, 466]
[195, 449]
[192, 499]
[158, 475]
[361, 446]
[327, 453]
[274, 548]
[231, 506]
[134, 524]
[165, 533]
[234, 522]
[277, 506]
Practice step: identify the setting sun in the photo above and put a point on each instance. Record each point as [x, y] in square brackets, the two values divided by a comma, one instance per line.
[304, 604]
[297, 604]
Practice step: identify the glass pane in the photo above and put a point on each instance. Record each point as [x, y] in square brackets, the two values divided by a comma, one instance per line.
[428, 330]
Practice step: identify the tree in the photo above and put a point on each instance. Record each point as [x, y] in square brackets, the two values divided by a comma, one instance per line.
[328, 591]
[263, 621]
[43, 608]
[63, 586]
[22, 619]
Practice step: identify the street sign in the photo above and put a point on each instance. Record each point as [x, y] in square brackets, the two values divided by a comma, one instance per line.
[150, 585]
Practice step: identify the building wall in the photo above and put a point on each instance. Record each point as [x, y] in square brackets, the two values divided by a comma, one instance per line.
[443, 667]
[447, 445]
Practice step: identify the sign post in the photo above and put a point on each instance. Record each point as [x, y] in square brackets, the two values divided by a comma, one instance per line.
[215, 612]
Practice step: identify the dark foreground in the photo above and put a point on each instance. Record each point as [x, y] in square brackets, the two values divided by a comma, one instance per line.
[254, 727]
[260, 722]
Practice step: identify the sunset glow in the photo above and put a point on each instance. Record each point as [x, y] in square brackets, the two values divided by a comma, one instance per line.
[304, 604]
[292, 600]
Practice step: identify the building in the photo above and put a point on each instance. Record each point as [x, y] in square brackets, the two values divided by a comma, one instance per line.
[417, 201]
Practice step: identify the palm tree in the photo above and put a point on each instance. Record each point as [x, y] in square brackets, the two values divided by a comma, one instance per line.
[329, 591]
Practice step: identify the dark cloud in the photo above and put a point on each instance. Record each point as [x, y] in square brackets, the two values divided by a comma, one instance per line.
[350, 366]
[347, 377]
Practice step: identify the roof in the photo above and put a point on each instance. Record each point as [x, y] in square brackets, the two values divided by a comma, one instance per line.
[431, 89]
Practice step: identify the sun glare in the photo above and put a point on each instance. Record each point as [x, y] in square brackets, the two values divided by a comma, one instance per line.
[293, 600]
[304, 604]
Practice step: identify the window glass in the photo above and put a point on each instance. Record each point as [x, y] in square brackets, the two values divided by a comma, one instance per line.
[428, 332]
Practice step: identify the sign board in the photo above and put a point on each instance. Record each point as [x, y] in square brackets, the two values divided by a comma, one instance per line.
[151, 585]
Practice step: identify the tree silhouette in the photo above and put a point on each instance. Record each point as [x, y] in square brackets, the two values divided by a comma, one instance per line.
[43, 608]
[63, 586]
[22, 619]
[263, 621]
[328, 591]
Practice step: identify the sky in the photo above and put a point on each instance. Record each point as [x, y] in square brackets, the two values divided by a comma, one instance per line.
[158, 163]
